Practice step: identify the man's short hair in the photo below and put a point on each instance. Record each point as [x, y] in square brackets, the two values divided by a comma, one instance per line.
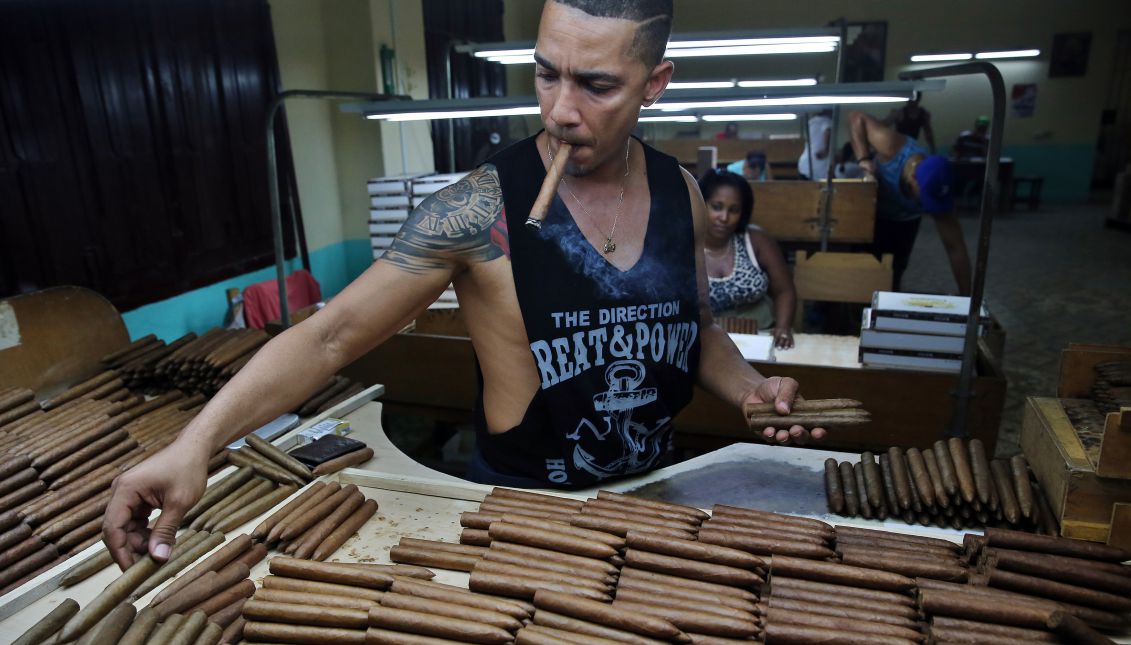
[653, 20]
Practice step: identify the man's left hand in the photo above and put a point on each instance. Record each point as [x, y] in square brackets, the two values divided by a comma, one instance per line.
[782, 391]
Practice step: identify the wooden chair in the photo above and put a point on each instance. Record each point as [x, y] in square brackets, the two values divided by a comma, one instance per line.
[839, 277]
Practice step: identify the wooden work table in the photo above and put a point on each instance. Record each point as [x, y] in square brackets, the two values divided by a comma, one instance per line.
[433, 375]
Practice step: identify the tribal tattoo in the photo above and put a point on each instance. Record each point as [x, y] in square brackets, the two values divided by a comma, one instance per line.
[458, 225]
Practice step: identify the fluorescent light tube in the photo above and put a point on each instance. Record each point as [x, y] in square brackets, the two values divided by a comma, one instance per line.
[672, 119]
[749, 117]
[1018, 53]
[790, 82]
[504, 53]
[751, 50]
[783, 101]
[455, 114]
[738, 42]
[934, 58]
[699, 85]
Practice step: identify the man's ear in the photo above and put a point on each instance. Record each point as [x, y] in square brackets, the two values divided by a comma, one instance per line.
[658, 81]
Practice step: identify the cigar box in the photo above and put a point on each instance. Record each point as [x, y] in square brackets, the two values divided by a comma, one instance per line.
[1065, 459]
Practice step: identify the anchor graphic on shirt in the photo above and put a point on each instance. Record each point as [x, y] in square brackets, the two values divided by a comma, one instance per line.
[640, 449]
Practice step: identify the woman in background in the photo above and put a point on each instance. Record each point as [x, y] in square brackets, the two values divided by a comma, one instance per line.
[745, 267]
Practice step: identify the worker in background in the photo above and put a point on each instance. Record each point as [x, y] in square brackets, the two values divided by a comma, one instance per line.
[973, 143]
[911, 182]
[814, 160]
[730, 131]
[754, 167]
[913, 120]
[590, 333]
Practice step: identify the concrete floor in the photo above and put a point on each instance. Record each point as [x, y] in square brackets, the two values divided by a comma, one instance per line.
[1054, 276]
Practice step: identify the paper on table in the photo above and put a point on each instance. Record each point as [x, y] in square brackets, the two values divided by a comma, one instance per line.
[754, 347]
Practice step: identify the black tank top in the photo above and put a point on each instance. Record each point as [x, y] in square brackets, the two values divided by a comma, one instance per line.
[617, 352]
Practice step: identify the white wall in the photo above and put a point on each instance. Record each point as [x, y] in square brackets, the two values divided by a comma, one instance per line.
[406, 147]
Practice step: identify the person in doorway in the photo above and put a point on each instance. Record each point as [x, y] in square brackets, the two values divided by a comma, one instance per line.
[911, 182]
[814, 160]
[913, 120]
[746, 270]
[590, 333]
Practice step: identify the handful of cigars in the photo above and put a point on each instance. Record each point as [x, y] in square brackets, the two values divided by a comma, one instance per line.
[814, 413]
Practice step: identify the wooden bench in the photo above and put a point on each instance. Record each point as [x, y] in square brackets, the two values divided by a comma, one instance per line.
[781, 154]
[790, 211]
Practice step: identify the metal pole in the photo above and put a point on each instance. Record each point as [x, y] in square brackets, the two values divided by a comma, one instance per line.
[827, 202]
[273, 177]
[965, 391]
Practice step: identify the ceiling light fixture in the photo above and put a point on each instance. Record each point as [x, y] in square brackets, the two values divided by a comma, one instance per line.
[1017, 53]
[789, 82]
[749, 117]
[937, 58]
[668, 119]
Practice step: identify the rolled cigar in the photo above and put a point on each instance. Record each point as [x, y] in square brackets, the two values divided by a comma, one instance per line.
[112, 627]
[808, 420]
[379, 636]
[18, 412]
[238, 516]
[439, 545]
[479, 520]
[1035, 586]
[214, 562]
[1115, 577]
[883, 615]
[524, 587]
[138, 345]
[79, 535]
[344, 531]
[459, 596]
[602, 614]
[234, 633]
[808, 405]
[1021, 541]
[109, 598]
[1074, 630]
[675, 515]
[16, 544]
[768, 527]
[282, 459]
[13, 464]
[210, 635]
[1090, 615]
[909, 567]
[262, 467]
[1003, 481]
[764, 546]
[283, 633]
[229, 614]
[314, 501]
[919, 477]
[18, 480]
[899, 474]
[63, 500]
[507, 508]
[629, 573]
[549, 540]
[980, 469]
[252, 556]
[293, 528]
[309, 540]
[518, 570]
[202, 588]
[622, 525]
[451, 610]
[542, 564]
[834, 492]
[553, 507]
[721, 510]
[540, 635]
[645, 518]
[234, 503]
[614, 541]
[946, 468]
[517, 493]
[865, 505]
[777, 615]
[691, 620]
[839, 574]
[354, 458]
[554, 175]
[629, 594]
[218, 491]
[934, 476]
[242, 590]
[1019, 468]
[671, 507]
[264, 528]
[537, 553]
[694, 569]
[475, 537]
[874, 596]
[9, 519]
[314, 599]
[873, 480]
[299, 614]
[769, 532]
[331, 572]
[12, 397]
[555, 620]
[899, 547]
[187, 553]
[49, 624]
[87, 568]
[842, 531]
[888, 481]
[424, 624]
[790, 633]
[433, 558]
[106, 448]
[1001, 611]
[312, 587]
[679, 594]
[22, 494]
[705, 553]
[951, 636]
[1018, 634]
[963, 472]
[165, 630]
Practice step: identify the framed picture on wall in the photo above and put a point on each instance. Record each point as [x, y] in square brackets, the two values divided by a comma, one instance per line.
[1070, 54]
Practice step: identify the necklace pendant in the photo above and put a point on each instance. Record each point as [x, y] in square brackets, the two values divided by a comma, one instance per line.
[610, 246]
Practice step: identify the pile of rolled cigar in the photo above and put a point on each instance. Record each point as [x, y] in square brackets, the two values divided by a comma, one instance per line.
[60, 459]
[812, 413]
[198, 606]
[952, 484]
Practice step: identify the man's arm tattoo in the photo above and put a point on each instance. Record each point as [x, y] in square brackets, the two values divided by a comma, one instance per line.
[458, 225]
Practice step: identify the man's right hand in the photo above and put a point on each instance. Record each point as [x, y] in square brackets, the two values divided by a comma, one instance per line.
[171, 480]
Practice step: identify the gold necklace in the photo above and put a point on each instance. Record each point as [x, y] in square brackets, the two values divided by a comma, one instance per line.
[609, 246]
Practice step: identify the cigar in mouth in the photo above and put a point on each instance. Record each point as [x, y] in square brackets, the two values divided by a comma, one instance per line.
[549, 188]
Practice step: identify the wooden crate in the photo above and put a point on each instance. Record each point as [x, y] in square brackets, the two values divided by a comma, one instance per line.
[790, 211]
[1082, 500]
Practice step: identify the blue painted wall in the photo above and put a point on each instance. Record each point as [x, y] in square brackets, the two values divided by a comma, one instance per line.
[333, 266]
[1066, 168]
